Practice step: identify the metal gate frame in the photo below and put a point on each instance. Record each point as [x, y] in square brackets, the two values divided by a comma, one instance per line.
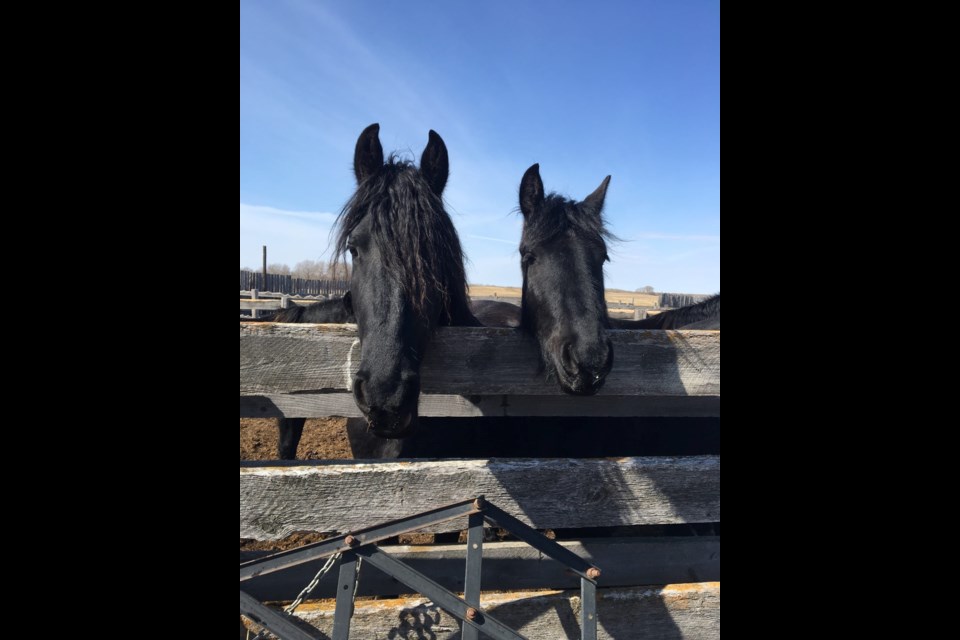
[362, 544]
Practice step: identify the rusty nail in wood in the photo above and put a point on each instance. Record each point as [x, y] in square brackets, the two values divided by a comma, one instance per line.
[593, 573]
[350, 540]
[471, 613]
[478, 503]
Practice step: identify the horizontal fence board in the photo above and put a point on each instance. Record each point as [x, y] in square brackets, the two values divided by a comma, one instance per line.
[321, 405]
[284, 358]
[340, 496]
[293, 296]
[273, 303]
[260, 304]
[689, 611]
[624, 562]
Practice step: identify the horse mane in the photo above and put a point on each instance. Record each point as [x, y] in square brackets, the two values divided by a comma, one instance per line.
[413, 232]
[559, 214]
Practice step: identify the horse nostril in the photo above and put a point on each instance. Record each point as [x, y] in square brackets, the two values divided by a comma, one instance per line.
[608, 363]
[566, 357]
[358, 393]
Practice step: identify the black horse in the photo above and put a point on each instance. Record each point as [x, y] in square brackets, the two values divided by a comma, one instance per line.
[562, 250]
[332, 311]
[562, 253]
[407, 279]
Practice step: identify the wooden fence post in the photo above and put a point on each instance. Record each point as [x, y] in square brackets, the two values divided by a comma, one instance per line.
[264, 268]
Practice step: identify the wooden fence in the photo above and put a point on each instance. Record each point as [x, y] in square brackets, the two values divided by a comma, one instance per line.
[278, 283]
[255, 301]
[653, 587]
[677, 300]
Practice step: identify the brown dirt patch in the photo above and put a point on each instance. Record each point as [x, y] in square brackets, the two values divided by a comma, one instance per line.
[292, 541]
[323, 439]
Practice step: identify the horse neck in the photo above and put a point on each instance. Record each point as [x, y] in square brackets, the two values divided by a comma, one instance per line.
[704, 311]
[460, 313]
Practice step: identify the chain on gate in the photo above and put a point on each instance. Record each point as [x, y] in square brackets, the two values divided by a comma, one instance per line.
[289, 609]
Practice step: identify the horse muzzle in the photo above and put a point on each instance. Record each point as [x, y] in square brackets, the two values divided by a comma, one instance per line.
[392, 425]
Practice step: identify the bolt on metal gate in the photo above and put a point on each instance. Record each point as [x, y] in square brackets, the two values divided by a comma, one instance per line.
[362, 544]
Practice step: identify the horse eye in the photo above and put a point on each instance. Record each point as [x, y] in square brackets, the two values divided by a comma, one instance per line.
[353, 251]
[527, 258]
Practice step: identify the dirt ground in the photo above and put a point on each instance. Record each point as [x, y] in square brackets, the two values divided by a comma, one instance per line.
[323, 439]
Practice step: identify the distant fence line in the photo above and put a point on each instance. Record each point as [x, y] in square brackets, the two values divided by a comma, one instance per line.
[278, 283]
[677, 300]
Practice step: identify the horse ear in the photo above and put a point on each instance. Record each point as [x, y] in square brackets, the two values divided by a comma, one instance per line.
[368, 156]
[531, 190]
[594, 202]
[434, 163]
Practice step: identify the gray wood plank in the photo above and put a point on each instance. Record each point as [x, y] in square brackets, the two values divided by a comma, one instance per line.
[284, 358]
[272, 303]
[259, 304]
[295, 296]
[339, 496]
[321, 405]
[690, 611]
[509, 566]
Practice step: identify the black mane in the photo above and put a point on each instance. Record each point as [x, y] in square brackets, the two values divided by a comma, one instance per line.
[413, 232]
[560, 214]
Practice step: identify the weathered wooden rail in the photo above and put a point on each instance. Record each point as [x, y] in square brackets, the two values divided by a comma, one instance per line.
[278, 500]
[255, 301]
[306, 371]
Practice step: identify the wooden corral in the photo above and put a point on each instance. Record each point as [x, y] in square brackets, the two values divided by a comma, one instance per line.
[306, 371]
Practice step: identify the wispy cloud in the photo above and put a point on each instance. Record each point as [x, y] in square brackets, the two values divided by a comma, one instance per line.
[671, 236]
[290, 236]
[471, 235]
[320, 217]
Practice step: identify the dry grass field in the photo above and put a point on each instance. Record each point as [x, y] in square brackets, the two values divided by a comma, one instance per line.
[627, 297]
[612, 295]
[488, 291]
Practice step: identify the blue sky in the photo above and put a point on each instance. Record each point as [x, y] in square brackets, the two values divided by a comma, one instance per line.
[587, 89]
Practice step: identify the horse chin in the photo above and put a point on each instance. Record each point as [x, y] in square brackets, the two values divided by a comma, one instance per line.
[583, 383]
[580, 385]
[393, 426]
